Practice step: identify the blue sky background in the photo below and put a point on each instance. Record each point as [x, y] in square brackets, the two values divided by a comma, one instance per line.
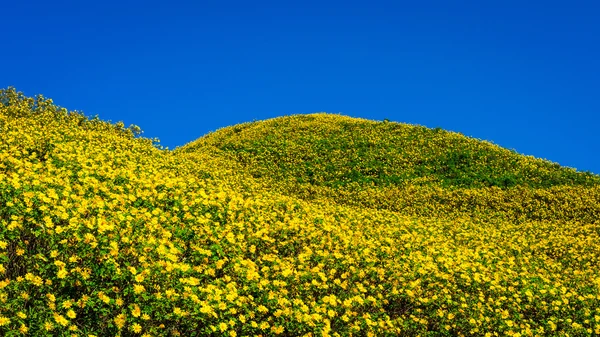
[522, 74]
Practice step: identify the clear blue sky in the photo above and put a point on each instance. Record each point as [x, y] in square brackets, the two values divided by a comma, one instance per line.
[521, 74]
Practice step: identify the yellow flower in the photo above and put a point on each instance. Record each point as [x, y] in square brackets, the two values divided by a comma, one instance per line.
[82, 301]
[61, 320]
[138, 288]
[71, 314]
[223, 327]
[136, 328]
[62, 273]
[4, 321]
[103, 297]
[37, 281]
[120, 320]
[23, 329]
[135, 311]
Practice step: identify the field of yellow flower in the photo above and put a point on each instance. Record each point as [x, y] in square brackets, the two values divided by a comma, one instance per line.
[315, 225]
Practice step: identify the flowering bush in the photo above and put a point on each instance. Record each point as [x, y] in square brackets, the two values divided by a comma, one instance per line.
[103, 233]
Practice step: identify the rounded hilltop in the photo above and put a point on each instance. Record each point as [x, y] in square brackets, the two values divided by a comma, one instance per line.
[400, 167]
[334, 150]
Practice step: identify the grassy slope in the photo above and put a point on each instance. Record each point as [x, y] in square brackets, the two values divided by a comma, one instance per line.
[400, 167]
[334, 150]
[101, 233]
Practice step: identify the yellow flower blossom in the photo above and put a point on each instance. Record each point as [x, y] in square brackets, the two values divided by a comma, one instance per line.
[136, 328]
[135, 311]
[23, 329]
[62, 273]
[4, 321]
[120, 320]
[61, 320]
[138, 288]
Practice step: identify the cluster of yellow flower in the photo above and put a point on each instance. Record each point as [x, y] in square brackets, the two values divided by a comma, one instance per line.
[103, 234]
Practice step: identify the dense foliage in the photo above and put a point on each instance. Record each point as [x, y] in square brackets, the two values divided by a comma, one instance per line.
[410, 169]
[334, 150]
[264, 229]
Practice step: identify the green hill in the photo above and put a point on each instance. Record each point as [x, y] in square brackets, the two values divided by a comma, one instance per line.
[406, 168]
[316, 225]
[334, 150]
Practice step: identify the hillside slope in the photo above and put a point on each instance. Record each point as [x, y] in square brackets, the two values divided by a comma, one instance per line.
[335, 150]
[104, 234]
[401, 167]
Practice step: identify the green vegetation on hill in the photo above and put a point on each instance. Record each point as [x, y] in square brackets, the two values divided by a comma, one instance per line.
[405, 168]
[316, 225]
[334, 150]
